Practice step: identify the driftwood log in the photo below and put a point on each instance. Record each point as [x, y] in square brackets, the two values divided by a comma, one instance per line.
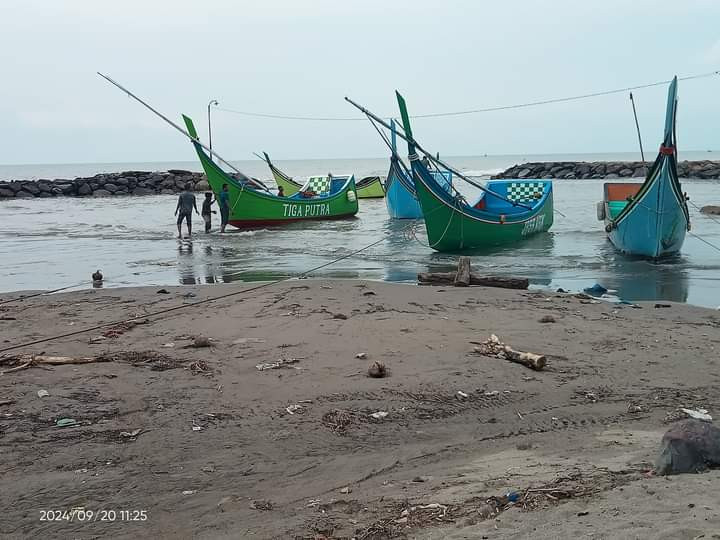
[494, 347]
[448, 278]
[462, 276]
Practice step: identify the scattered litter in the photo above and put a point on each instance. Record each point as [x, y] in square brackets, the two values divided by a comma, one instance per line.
[595, 290]
[379, 415]
[97, 339]
[7, 318]
[547, 319]
[7, 401]
[282, 362]
[589, 301]
[169, 345]
[492, 393]
[462, 394]
[340, 316]
[66, 422]
[325, 287]
[43, 393]
[244, 340]
[698, 414]
[197, 428]
[561, 290]
[163, 291]
[420, 479]
[368, 293]
[512, 496]
[361, 355]
[312, 503]
[346, 490]
[377, 370]
[189, 492]
[261, 504]
[189, 295]
[662, 305]
[631, 408]
[583, 513]
[208, 469]
[133, 433]
[292, 409]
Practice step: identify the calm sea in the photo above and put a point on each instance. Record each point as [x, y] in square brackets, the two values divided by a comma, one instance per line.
[51, 243]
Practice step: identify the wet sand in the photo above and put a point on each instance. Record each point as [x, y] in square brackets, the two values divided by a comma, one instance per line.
[228, 451]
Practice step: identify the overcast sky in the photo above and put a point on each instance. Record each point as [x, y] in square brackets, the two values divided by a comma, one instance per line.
[300, 58]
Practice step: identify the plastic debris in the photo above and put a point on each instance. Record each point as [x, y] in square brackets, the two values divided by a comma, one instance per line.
[197, 428]
[42, 393]
[169, 345]
[698, 414]
[199, 342]
[462, 394]
[244, 340]
[292, 409]
[189, 492]
[361, 355]
[346, 490]
[379, 415]
[163, 291]
[133, 433]
[66, 422]
[595, 290]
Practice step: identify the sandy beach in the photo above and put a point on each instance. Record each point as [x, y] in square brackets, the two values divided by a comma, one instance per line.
[172, 441]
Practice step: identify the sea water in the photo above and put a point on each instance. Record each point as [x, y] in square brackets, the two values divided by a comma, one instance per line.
[52, 243]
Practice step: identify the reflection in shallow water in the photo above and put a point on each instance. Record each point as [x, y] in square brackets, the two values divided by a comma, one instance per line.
[133, 241]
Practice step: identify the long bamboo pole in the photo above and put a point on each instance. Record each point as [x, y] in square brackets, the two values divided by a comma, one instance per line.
[432, 158]
[181, 130]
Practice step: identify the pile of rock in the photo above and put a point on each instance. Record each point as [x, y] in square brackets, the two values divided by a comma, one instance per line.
[559, 170]
[107, 185]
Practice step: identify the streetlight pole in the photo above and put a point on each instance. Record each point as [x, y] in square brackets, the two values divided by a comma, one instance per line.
[212, 102]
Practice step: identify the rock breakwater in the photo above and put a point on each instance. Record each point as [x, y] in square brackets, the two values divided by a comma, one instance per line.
[107, 185]
[568, 170]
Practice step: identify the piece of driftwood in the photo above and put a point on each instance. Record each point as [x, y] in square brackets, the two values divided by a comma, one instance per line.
[27, 360]
[494, 347]
[462, 276]
[528, 359]
[448, 278]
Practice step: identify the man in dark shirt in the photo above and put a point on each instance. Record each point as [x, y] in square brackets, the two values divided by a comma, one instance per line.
[224, 203]
[183, 210]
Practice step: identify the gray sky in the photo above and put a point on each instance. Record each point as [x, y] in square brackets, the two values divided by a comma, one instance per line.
[302, 57]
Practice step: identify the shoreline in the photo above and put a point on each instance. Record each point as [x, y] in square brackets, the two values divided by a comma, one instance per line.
[212, 447]
[142, 183]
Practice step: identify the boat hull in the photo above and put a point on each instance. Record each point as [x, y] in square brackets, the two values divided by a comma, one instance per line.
[451, 226]
[655, 226]
[371, 190]
[401, 202]
[251, 208]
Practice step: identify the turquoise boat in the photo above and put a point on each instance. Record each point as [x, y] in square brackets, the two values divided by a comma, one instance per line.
[401, 198]
[650, 219]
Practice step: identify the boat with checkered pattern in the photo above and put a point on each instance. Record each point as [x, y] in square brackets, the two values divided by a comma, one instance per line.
[650, 219]
[321, 197]
[506, 211]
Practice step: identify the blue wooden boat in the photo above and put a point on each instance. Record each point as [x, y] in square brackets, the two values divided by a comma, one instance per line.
[401, 198]
[650, 219]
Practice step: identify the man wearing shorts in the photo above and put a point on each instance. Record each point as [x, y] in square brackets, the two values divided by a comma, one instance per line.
[224, 203]
[186, 204]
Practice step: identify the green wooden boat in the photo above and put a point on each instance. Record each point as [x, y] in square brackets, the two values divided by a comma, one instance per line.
[290, 186]
[506, 211]
[370, 187]
[322, 197]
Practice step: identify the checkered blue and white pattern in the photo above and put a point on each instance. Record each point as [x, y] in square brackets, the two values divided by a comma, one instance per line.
[318, 184]
[524, 191]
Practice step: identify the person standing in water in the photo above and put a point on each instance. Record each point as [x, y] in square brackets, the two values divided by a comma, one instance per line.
[224, 203]
[183, 210]
[207, 211]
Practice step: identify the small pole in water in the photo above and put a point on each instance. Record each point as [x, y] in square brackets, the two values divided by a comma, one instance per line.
[637, 126]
